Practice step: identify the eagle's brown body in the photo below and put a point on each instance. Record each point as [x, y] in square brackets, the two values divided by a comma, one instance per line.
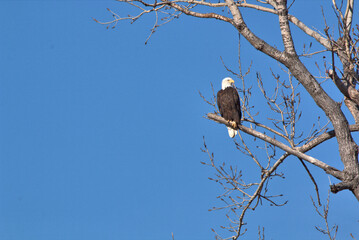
[229, 104]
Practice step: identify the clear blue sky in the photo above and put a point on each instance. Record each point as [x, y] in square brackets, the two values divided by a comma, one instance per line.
[100, 135]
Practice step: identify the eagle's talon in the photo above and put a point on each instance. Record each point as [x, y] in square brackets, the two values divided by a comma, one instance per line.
[233, 124]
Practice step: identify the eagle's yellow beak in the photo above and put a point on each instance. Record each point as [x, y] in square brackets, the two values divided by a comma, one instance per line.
[231, 80]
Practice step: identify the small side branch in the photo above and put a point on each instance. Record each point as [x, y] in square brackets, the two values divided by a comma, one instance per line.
[344, 185]
[313, 180]
[324, 137]
[331, 232]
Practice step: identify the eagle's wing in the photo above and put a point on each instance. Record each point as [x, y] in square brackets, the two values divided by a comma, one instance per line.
[219, 101]
[236, 100]
[235, 105]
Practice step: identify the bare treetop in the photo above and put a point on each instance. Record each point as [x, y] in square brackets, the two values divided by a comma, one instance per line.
[280, 138]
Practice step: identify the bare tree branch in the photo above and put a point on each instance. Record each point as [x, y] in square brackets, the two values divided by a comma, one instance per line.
[328, 169]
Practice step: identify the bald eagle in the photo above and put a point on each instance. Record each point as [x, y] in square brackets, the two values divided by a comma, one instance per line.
[229, 105]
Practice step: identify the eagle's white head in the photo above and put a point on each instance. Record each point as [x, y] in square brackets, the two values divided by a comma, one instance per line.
[227, 82]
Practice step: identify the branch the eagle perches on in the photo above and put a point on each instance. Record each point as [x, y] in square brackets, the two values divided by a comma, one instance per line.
[300, 151]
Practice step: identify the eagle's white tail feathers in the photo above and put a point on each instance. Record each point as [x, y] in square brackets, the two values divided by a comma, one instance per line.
[231, 132]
